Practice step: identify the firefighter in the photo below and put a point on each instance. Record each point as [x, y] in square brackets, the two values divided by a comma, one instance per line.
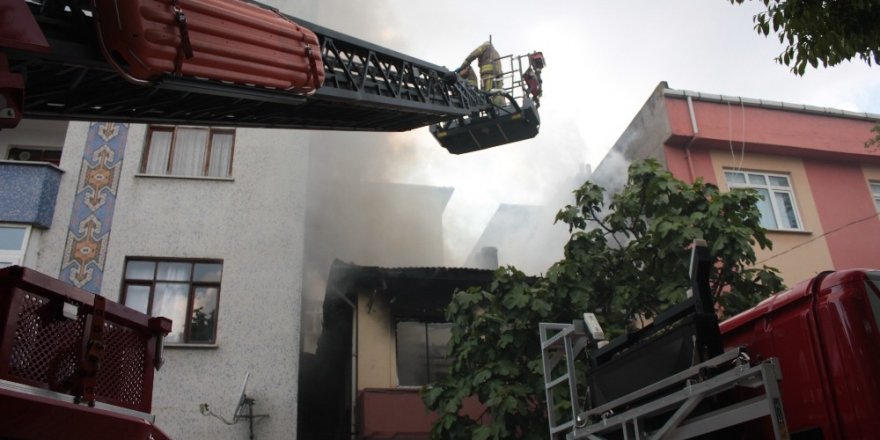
[490, 67]
[468, 74]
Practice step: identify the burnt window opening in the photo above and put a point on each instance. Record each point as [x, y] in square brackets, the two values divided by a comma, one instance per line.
[422, 352]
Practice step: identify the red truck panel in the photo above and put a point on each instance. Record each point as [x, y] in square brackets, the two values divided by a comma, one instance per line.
[827, 340]
[230, 40]
[43, 348]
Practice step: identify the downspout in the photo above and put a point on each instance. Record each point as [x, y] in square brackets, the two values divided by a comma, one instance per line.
[687, 147]
[354, 369]
[354, 356]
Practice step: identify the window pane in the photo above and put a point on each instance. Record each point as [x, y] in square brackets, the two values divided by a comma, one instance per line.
[768, 219]
[221, 155]
[412, 367]
[173, 271]
[875, 190]
[207, 272]
[778, 181]
[11, 238]
[140, 270]
[786, 208]
[733, 177]
[190, 146]
[170, 300]
[157, 155]
[137, 297]
[204, 315]
[757, 179]
[438, 344]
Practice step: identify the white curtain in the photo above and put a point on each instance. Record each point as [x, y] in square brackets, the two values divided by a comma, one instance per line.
[221, 155]
[157, 157]
[189, 152]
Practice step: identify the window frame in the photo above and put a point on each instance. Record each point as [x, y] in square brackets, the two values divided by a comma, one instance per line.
[16, 257]
[190, 291]
[426, 325]
[874, 187]
[771, 190]
[169, 163]
[43, 154]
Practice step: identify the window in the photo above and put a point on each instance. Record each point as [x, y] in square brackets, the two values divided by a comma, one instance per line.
[187, 151]
[421, 352]
[13, 243]
[185, 291]
[875, 191]
[777, 204]
[33, 154]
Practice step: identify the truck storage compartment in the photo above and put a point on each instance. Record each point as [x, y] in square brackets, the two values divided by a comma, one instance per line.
[224, 40]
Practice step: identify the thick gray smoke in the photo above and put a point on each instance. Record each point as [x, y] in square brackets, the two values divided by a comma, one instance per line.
[401, 200]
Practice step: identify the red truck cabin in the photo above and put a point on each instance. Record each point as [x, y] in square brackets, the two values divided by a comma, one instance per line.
[826, 334]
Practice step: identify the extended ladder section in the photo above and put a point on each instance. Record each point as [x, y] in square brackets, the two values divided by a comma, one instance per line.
[69, 73]
[667, 409]
[668, 380]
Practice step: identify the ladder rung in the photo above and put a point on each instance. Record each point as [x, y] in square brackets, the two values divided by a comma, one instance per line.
[558, 380]
[562, 427]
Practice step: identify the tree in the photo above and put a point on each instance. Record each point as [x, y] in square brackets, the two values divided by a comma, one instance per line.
[822, 31]
[626, 263]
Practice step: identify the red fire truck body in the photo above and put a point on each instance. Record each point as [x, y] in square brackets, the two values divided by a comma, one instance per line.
[825, 332]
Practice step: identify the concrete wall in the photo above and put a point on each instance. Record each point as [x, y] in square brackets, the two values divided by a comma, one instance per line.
[376, 346]
[823, 154]
[643, 138]
[254, 222]
[812, 254]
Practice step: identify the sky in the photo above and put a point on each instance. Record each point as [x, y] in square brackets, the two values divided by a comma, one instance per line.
[604, 58]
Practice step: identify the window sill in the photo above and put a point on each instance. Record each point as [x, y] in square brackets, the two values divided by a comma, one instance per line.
[168, 176]
[198, 346]
[32, 163]
[790, 231]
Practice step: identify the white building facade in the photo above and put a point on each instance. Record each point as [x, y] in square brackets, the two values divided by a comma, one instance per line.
[202, 225]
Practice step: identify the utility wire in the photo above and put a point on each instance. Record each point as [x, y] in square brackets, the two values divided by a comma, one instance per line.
[818, 237]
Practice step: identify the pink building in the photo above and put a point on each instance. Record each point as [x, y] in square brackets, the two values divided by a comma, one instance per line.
[821, 186]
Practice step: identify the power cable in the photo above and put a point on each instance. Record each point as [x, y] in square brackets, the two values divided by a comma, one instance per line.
[818, 237]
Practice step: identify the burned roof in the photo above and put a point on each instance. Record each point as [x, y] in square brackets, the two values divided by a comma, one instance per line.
[412, 292]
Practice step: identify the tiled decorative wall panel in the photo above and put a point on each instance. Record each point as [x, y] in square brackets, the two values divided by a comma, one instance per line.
[92, 216]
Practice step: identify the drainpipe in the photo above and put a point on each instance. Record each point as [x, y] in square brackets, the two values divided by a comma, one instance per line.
[354, 356]
[354, 369]
[687, 147]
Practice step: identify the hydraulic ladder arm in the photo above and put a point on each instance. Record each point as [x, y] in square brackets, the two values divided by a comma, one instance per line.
[365, 87]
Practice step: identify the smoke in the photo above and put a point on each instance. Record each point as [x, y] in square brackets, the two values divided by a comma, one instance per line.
[399, 199]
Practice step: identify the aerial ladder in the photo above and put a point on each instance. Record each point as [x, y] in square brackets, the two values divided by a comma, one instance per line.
[671, 379]
[239, 63]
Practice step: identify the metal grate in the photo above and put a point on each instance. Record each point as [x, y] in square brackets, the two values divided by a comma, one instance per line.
[45, 349]
[121, 377]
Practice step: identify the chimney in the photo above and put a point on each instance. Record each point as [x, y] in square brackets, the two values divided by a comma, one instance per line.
[488, 258]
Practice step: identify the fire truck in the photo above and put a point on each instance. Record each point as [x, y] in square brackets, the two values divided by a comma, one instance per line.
[802, 364]
[240, 63]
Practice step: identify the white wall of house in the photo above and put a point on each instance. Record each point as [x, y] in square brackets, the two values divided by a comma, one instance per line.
[254, 223]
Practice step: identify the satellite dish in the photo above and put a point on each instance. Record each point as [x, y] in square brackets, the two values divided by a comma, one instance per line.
[242, 398]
